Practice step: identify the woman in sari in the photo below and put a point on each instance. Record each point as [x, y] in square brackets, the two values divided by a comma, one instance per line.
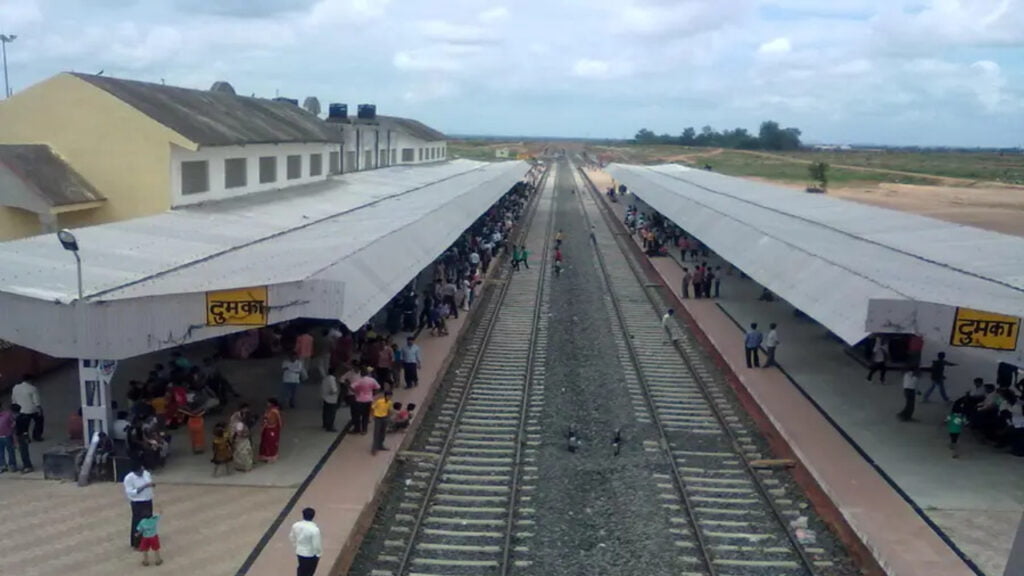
[196, 428]
[241, 443]
[270, 438]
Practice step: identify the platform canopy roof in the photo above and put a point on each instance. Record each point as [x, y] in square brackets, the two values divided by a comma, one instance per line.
[831, 257]
[337, 249]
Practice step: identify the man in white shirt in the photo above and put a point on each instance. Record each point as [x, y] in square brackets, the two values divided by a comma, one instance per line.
[910, 379]
[26, 395]
[292, 371]
[771, 342]
[666, 325]
[305, 536]
[138, 488]
[329, 393]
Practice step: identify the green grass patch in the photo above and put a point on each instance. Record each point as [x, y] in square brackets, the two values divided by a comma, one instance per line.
[984, 166]
[736, 163]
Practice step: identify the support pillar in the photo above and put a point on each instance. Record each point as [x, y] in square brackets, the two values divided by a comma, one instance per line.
[94, 378]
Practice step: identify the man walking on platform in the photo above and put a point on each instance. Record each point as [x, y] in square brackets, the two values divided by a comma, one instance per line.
[879, 356]
[751, 343]
[938, 377]
[305, 536]
[381, 418]
[26, 395]
[138, 488]
[687, 279]
[771, 342]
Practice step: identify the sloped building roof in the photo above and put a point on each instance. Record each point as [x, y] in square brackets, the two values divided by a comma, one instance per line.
[46, 180]
[414, 128]
[830, 257]
[217, 118]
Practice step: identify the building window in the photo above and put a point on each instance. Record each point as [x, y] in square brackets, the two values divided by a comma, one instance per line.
[294, 167]
[268, 169]
[195, 177]
[408, 154]
[421, 155]
[316, 164]
[393, 159]
[350, 161]
[334, 162]
[444, 152]
[367, 159]
[235, 175]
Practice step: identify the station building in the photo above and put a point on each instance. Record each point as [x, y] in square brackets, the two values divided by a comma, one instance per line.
[80, 149]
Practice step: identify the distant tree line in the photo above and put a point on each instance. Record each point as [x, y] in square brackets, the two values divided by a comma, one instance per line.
[770, 137]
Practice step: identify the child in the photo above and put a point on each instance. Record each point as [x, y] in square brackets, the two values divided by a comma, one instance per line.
[401, 419]
[149, 540]
[223, 451]
[955, 424]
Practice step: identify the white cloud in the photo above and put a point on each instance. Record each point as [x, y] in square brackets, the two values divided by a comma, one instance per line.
[775, 47]
[429, 91]
[442, 31]
[597, 69]
[17, 13]
[492, 15]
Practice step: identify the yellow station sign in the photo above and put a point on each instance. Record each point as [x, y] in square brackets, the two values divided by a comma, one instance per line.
[241, 307]
[977, 329]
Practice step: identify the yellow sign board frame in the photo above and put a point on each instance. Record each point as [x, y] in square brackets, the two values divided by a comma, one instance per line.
[978, 329]
[239, 307]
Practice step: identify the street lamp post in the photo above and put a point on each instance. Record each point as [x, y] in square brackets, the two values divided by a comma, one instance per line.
[6, 39]
[70, 243]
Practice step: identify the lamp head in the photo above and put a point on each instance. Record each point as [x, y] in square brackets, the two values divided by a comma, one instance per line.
[68, 240]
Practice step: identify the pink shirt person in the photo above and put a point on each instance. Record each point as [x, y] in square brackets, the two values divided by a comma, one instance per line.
[364, 389]
[304, 346]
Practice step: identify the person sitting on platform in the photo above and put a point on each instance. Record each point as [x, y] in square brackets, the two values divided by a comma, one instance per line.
[401, 417]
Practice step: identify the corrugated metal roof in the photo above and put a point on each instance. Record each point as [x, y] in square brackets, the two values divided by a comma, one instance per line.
[412, 127]
[830, 257]
[47, 177]
[217, 118]
[266, 239]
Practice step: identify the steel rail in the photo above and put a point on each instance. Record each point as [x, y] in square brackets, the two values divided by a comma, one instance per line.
[431, 489]
[702, 385]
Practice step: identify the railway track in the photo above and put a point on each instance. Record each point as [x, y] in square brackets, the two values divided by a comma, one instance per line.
[727, 519]
[467, 504]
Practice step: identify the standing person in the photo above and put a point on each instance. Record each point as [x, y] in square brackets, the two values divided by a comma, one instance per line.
[381, 417]
[270, 437]
[879, 356]
[718, 281]
[687, 279]
[698, 281]
[329, 393]
[751, 342]
[138, 488]
[26, 395]
[428, 307]
[955, 425]
[411, 362]
[910, 378]
[149, 539]
[7, 461]
[938, 377]
[241, 439]
[709, 279]
[304, 351]
[363, 389]
[448, 297]
[292, 370]
[305, 536]
[666, 325]
[515, 257]
[21, 438]
[322, 346]
[222, 450]
[385, 363]
[771, 342]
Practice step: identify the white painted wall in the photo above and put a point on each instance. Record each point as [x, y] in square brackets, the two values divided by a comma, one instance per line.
[215, 156]
[367, 141]
[934, 322]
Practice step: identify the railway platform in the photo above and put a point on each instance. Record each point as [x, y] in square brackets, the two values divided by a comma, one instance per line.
[918, 511]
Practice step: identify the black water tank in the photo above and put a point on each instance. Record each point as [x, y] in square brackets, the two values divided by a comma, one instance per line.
[367, 111]
[337, 111]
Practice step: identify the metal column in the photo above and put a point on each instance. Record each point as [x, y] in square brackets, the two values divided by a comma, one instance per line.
[94, 378]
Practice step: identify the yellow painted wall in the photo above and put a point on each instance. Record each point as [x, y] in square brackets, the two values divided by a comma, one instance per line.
[17, 223]
[122, 152]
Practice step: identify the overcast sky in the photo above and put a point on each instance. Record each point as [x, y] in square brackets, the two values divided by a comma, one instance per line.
[947, 72]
